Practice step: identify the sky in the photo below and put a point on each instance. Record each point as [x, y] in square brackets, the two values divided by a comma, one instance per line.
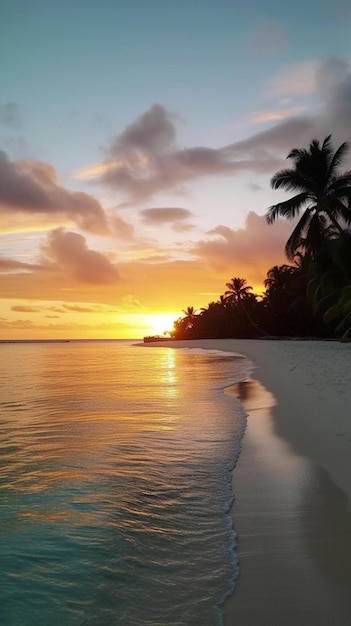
[137, 143]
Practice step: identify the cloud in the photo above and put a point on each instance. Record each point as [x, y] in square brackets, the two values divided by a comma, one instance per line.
[17, 324]
[68, 252]
[120, 227]
[248, 251]
[64, 308]
[145, 159]
[10, 115]
[263, 152]
[152, 133]
[155, 258]
[273, 141]
[269, 38]
[31, 187]
[277, 115]
[167, 215]
[73, 307]
[57, 309]
[179, 227]
[22, 308]
[333, 80]
[80, 309]
[132, 303]
[93, 171]
[330, 83]
[298, 79]
[12, 265]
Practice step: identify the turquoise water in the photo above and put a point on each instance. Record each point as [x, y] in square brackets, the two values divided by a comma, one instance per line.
[115, 484]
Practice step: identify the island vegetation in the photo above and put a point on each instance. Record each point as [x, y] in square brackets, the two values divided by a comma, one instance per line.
[310, 295]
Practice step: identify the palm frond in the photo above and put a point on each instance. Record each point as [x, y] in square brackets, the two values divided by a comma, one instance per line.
[290, 180]
[296, 238]
[338, 158]
[288, 208]
[297, 153]
[326, 151]
[320, 191]
[343, 210]
[338, 183]
[293, 244]
[327, 142]
[272, 214]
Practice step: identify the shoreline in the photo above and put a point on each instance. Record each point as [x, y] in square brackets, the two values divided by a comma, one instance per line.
[292, 483]
[311, 381]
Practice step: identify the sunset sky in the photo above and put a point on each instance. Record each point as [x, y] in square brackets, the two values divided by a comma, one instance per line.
[138, 139]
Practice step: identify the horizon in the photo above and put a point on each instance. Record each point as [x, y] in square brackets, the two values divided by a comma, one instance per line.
[137, 144]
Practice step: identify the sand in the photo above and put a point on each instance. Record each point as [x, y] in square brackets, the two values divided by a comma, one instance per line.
[292, 484]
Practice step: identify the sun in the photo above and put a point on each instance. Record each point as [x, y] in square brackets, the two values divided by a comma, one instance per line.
[160, 323]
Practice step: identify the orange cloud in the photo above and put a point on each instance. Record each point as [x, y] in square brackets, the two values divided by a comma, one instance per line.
[248, 252]
[22, 308]
[277, 115]
[70, 271]
[68, 252]
[11, 265]
[121, 228]
[79, 308]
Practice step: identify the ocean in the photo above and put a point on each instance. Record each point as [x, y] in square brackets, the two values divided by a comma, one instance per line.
[116, 468]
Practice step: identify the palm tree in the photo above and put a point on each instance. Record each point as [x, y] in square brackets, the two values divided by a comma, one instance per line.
[189, 313]
[330, 284]
[238, 294]
[285, 300]
[237, 290]
[341, 311]
[323, 193]
[277, 280]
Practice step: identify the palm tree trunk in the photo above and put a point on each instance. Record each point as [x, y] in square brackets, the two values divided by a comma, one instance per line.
[250, 318]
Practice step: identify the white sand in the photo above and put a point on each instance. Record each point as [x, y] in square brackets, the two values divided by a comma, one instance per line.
[311, 381]
[292, 484]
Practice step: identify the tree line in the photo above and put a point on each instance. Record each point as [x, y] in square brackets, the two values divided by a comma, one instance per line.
[310, 296]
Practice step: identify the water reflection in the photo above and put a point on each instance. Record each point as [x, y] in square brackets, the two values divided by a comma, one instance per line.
[114, 478]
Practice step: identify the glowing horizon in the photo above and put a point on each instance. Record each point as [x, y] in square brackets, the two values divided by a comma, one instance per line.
[134, 180]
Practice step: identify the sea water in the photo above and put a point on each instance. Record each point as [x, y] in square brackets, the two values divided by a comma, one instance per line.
[115, 482]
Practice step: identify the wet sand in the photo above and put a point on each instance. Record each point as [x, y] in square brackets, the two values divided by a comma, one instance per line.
[294, 531]
[292, 484]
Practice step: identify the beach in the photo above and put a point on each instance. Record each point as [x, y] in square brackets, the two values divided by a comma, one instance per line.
[292, 483]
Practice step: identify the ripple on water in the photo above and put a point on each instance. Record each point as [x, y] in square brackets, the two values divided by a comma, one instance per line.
[115, 474]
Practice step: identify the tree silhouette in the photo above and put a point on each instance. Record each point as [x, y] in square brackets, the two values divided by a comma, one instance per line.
[322, 193]
[237, 290]
[239, 296]
[312, 296]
